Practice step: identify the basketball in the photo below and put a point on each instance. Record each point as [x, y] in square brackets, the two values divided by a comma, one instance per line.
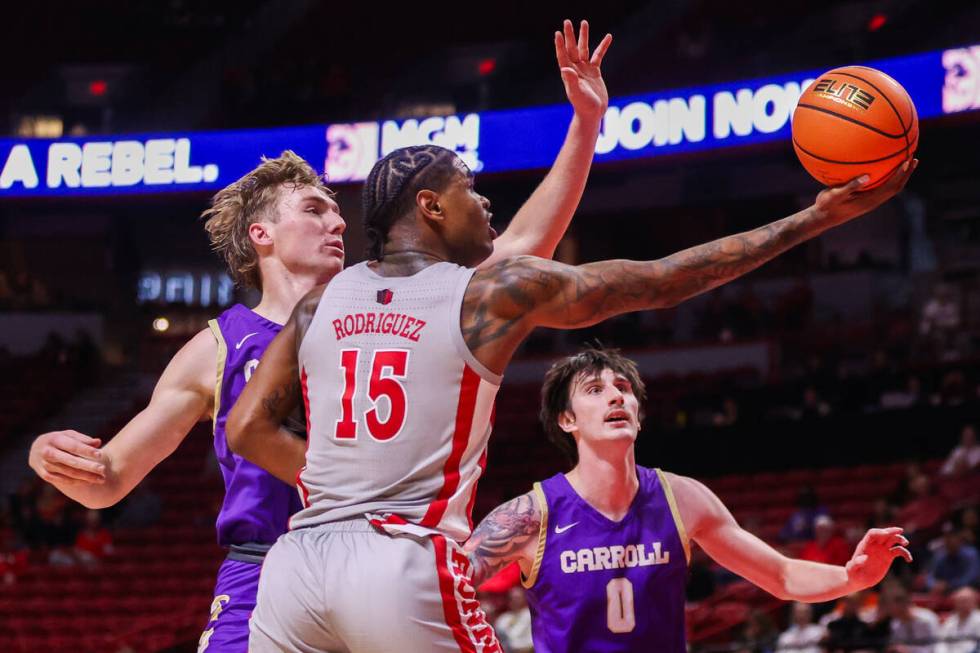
[853, 121]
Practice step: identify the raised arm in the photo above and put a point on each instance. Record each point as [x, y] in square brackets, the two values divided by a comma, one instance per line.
[504, 302]
[508, 534]
[541, 222]
[97, 478]
[709, 523]
[255, 424]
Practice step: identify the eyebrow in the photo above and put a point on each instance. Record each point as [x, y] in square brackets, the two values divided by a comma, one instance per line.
[319, 199]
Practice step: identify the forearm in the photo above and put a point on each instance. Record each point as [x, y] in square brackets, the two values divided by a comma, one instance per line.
[539, 225]
[272, 447]
[814, 582]
[609, 288]
[91, 495]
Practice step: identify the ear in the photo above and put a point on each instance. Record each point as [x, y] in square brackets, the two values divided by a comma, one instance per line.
[259, 233]
[428, 202]
[566, 421]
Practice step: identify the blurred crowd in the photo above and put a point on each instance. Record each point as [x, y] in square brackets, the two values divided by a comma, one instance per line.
[40, 526]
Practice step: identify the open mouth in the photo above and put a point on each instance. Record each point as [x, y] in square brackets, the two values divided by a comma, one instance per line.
[493, 232]
[617, 418]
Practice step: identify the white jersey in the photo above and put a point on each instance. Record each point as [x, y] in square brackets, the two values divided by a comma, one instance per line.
[398, 409]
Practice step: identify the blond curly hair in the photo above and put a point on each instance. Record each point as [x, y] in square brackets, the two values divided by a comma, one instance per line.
[251, 199]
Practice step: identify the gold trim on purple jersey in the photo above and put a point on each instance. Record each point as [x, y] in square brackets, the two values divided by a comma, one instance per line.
[222, 357]
[531, 578]
[678, 522]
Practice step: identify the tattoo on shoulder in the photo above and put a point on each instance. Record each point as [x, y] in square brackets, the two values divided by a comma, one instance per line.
[503, 535]
[501, 295]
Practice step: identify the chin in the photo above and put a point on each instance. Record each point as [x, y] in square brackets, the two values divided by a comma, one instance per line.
[329, 268]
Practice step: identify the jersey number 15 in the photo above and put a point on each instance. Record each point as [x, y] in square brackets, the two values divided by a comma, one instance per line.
[387, 367]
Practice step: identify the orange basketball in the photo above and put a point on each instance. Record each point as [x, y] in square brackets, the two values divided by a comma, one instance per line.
[853, 121]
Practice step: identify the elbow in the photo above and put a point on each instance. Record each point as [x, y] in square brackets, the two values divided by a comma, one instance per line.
[236, 428]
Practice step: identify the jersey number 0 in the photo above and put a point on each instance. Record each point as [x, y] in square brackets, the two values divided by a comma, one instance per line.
[387, 367]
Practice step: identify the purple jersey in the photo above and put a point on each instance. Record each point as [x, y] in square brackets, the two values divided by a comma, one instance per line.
[257, 505]
[603, 586]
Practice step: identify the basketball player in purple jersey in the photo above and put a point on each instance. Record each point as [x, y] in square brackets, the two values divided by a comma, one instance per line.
[279, 230]
[399, 417]
[603, 549]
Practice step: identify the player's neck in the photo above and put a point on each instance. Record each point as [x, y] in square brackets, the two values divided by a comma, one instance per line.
[281, 291]
[405, 262]
[606, 480]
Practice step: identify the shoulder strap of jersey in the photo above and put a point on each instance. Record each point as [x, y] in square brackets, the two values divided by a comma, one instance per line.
[678, 522]
[529, 580]
[222, 357]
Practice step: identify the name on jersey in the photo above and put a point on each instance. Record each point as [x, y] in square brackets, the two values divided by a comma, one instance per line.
[396, 324]
[599, 558]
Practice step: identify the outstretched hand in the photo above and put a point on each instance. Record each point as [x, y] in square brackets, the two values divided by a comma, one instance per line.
[842, 203]
[582, 74]
[873, 556]
[68, 457]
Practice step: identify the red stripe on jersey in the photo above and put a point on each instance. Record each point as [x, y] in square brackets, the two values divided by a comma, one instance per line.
[464, 422]
[304, 493]
[447, 588]
[469, 504]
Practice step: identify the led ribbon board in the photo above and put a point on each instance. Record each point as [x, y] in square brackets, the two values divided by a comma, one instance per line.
[642, 126]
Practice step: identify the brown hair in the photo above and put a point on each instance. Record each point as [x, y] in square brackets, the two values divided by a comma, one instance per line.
[240, 204]
[556, 391]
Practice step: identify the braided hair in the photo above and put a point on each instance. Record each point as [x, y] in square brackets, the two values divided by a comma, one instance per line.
[394, 181]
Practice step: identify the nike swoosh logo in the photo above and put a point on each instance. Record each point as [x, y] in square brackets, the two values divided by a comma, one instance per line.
[242, 341]
[561, 529]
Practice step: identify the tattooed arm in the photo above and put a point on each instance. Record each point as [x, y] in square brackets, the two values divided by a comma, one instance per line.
[255, 425]
[508, 534]
[505, 301]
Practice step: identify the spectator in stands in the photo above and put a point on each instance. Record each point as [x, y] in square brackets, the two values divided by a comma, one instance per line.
[799, 527]
[913, 629]
[905, 398]
[941, 321]
[850, 632]
[727, 415]
[94, 542]
[759, 634]
[803, 636]
[882, 514]
[813, 406]
[965, 457]
[56, 526]
[968, 521]
[961, 630]
[827, 546]
[954, 564]
[515, 623]
[925, 508]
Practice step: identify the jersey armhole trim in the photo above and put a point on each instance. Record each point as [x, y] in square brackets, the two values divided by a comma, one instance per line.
[678, 522]
[459, 294]
[532, 578]
[222, 358]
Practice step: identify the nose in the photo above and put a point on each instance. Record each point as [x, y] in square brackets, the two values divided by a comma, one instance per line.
[337, 224]
[617, 397]
[485, 202]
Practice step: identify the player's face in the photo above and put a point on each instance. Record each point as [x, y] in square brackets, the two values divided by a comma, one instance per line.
[467, 229]
[308, 237]
[604, 408]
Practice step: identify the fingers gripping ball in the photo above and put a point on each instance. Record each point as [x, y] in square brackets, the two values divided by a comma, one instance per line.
[853, 121]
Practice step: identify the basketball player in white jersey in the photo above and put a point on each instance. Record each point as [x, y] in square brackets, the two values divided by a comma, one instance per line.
[397, 361]
[604, 548]
[280, 231]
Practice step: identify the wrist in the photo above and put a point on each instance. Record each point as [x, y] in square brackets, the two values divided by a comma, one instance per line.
[588, 121]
